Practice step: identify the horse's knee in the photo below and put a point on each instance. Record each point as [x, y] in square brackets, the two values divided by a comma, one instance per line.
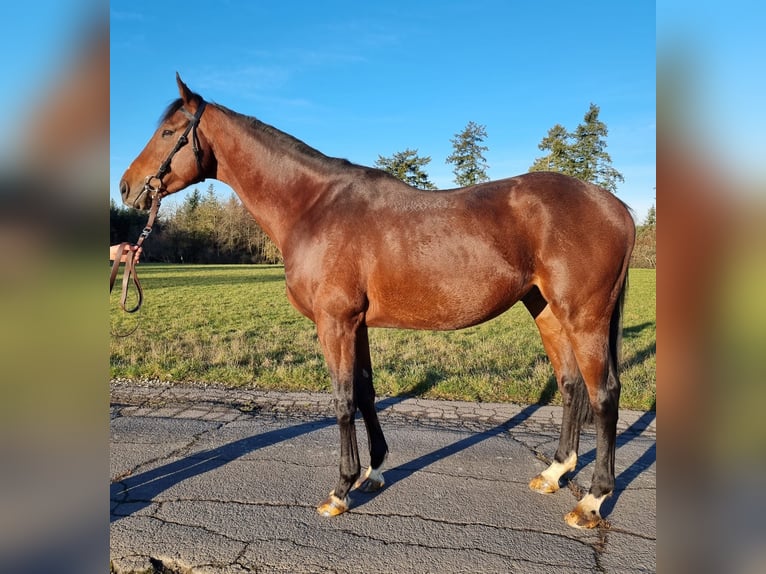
[345, 411]
[606, 403]
[566, 388]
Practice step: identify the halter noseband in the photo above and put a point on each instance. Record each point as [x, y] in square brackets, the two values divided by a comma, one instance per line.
[156, 192]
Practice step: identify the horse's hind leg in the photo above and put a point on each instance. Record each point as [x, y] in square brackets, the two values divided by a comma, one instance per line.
[572, 389]
[592, 351]
[364, 390]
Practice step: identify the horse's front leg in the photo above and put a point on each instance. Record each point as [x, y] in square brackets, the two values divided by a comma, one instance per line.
[338, 340]
[364, 393]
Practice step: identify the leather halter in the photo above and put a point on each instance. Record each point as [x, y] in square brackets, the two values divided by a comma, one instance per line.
[156, 193]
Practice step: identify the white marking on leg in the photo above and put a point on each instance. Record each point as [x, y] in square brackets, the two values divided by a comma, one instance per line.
[558, 469]
[375, 474]
[372, 479]
[591, 506]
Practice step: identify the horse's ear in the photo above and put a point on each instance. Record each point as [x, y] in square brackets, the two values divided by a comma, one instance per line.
[186, 93]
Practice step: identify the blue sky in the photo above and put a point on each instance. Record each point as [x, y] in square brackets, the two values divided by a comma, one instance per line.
[362, 79]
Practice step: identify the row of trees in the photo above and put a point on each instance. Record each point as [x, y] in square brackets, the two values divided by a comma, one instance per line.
[467, 157]
[201, 230]
[580, 153]
[205, 230]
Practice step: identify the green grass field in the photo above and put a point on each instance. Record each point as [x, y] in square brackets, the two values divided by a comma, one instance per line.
[232, 325]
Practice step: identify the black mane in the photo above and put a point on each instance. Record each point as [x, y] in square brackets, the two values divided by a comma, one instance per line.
[174, 106]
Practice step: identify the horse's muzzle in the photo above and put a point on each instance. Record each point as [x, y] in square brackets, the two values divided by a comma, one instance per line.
[140, 201]
[124, 191]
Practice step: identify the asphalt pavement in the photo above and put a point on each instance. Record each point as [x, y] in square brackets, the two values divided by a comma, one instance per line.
[206, 479]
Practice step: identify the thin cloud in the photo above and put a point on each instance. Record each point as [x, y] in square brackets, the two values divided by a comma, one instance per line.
[251, 78]
[125, 16]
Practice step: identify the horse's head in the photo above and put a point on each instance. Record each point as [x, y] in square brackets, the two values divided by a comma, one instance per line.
[176, 156]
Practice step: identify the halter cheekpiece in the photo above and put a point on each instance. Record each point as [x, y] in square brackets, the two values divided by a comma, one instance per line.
[156, 192]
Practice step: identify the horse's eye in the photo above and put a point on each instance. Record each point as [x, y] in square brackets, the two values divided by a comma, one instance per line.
[166, 133]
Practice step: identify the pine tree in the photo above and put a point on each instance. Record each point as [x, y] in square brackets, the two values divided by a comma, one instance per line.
[468, 155]
[407, 166]
[651, 216]
[581, 154]
[592, 161]
[559, 159]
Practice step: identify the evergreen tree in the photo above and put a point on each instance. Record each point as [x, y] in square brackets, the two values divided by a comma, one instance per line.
[470, 164]
[591, 158]
[191, 204]
[407, 166]
[559, 157]
[651, 216]
[581, 154]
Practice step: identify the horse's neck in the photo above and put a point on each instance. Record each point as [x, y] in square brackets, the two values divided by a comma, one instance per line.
[275, 185]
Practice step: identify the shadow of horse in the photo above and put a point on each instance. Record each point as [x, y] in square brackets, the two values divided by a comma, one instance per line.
[136, 492]
[407, 469]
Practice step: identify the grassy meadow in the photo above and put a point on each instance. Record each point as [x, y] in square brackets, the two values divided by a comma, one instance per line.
[232, 325]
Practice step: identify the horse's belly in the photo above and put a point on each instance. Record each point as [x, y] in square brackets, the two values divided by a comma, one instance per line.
[441, 304]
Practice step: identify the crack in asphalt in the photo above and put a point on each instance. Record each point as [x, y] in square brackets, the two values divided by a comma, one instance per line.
[463, 548]
[373, 514]
[240, 558]
[599, 545]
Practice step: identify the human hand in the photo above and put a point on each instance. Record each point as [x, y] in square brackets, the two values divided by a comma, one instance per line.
[135, 249]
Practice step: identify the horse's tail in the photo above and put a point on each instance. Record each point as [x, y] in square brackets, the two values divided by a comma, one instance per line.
[615, 326]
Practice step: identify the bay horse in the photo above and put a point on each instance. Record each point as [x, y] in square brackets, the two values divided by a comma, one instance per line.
[362, 249]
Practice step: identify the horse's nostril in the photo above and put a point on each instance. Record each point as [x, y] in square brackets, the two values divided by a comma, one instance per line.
[124, 189]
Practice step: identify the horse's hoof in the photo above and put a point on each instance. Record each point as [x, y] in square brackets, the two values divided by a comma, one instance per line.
[333, 506]
[579, 519]
[586, 514]
[372, 481]
[547, 482]
[543, 485]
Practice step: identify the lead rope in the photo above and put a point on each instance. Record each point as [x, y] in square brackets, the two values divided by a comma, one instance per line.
[130, 274]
